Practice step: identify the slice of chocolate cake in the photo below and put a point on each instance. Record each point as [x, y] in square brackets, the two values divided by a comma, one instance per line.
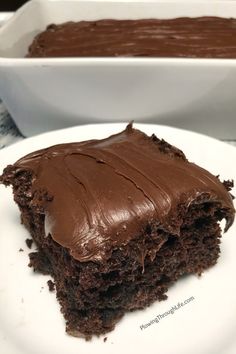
[116, 222]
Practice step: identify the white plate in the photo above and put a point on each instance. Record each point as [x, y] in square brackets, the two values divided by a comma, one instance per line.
[30, 320]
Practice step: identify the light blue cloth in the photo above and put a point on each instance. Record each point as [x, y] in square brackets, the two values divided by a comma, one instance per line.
[9, 133]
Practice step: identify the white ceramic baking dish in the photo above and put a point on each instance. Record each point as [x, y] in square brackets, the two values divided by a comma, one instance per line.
[46, 94]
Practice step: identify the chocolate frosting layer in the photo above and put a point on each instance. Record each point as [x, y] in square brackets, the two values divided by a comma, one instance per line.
[105, 192]
[200, 37]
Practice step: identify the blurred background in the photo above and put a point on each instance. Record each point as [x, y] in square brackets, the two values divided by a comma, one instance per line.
[11, 5]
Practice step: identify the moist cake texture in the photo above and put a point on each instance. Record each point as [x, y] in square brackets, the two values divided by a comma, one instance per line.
[199, 37]
[116, 222]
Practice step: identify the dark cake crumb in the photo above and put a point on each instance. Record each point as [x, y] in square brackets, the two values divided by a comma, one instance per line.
[39, 263]
[51, 285]
[229, 184]
[167, 148]
[104, 339]
[21, 250]
[29, 242]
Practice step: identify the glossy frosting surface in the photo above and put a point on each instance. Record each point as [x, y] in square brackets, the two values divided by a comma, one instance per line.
[200, 37]
[106, 192]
